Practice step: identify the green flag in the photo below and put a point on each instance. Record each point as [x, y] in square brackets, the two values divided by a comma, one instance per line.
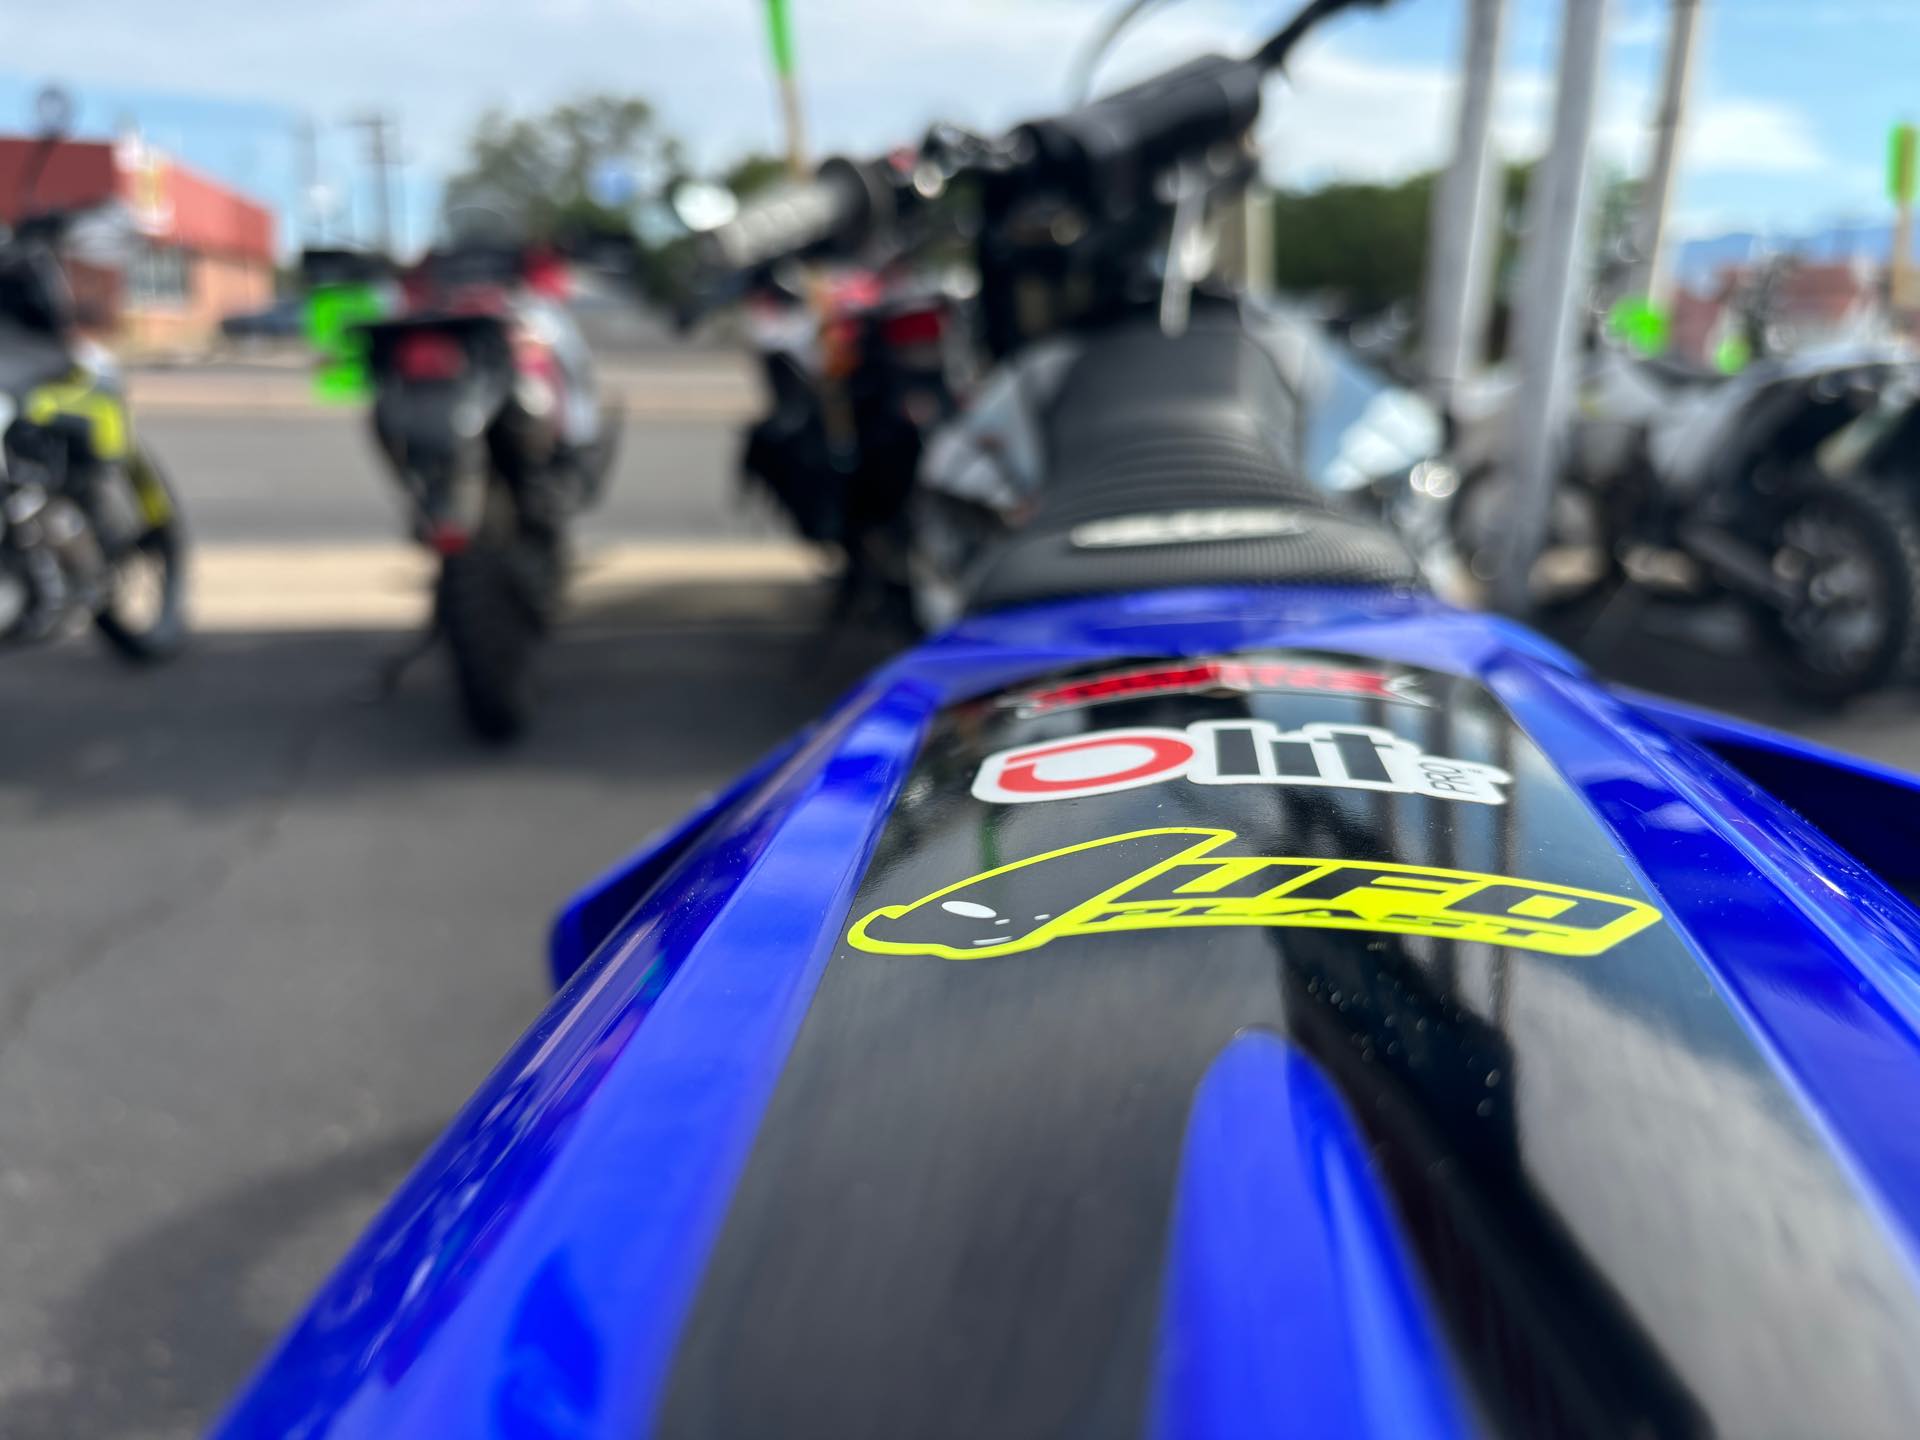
[780, 37]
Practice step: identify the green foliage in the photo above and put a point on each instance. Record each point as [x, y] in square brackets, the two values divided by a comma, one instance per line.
[539, 170]
[754, 172]
[1364, 244]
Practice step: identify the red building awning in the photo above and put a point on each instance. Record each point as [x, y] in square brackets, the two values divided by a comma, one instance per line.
[172, 204]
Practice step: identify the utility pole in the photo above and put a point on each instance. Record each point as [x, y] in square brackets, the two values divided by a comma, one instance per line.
[1901, 159]
[380, 157]
[1553, 269]
[1465, 237]
[780, 38]
[307, 147]
[1651, 273]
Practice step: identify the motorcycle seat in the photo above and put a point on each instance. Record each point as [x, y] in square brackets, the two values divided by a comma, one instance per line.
[1166, 466]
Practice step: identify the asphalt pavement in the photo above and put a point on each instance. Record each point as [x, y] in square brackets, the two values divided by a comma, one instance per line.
[263, 934]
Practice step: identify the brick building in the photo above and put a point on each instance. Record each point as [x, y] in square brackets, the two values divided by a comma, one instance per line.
[203, 250]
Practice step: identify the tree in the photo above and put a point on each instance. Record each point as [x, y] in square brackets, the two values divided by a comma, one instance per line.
[549, 173]
[1364, 244]
[752, 173]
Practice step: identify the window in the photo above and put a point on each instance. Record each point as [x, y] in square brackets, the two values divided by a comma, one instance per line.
[159, 275]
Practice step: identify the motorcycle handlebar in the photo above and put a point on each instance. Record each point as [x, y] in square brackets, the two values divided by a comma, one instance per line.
[1107, 151]
[833, 211]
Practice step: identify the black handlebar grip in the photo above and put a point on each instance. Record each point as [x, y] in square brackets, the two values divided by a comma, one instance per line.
[1109, 150]
[831, 213]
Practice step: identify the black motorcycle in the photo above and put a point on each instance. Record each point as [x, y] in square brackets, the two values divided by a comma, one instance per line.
[484, 404]
[1140, 425]
[89, 527]
[1786, 487]
[861, 358]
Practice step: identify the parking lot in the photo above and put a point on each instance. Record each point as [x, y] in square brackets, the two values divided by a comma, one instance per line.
[263, 933]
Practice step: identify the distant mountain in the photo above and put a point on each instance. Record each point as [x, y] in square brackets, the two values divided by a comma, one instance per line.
[1699, 261]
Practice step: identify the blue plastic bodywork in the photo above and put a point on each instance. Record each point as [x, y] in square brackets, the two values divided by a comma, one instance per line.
[1281, 1233]
[513, 1287]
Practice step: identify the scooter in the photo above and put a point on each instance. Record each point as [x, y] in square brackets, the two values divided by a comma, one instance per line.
[1786, 486]
[486, 407]
[89, 525]
[1214, 988]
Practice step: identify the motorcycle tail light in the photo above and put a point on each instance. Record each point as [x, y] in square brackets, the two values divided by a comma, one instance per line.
[914, 327]
[429, 355]
[446, 539]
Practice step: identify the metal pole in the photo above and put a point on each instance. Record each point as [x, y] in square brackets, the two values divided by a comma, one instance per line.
[1900, 263]
[1552, 266]
[1464, 239]
[309, 152]
[377, 125]
[1652, 276]
[1902, 160]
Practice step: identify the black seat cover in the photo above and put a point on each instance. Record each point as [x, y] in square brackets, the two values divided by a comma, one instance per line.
[1195, 425]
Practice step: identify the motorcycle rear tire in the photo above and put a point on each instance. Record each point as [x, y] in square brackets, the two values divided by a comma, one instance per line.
[161, 636]
[490, 621]
[1884, 530]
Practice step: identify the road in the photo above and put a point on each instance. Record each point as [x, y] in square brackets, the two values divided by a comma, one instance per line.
[312, 479]
[263, 936]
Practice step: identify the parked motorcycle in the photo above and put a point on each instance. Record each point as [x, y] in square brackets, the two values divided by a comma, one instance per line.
[862, 356]
[1787, 486]
[89, 526]
[1213, 989]
[486, 407]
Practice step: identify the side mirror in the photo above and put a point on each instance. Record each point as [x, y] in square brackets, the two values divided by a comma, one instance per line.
[702, 206]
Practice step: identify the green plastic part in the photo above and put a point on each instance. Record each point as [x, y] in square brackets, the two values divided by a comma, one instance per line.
[1902, 144]
[1642, 324]
[335, 314]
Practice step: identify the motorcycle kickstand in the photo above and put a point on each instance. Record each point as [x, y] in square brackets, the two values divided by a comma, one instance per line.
[388, 675]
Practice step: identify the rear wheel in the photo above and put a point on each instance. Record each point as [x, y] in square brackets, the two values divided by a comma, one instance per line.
[1852, 554]
[495, 599]
[143, 618]
[490, 633]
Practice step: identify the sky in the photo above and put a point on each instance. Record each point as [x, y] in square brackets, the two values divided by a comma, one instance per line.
[1793, 98]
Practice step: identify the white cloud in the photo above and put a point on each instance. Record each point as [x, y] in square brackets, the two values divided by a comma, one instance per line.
[1357, 119]
[1752, 137]
[875, 73]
